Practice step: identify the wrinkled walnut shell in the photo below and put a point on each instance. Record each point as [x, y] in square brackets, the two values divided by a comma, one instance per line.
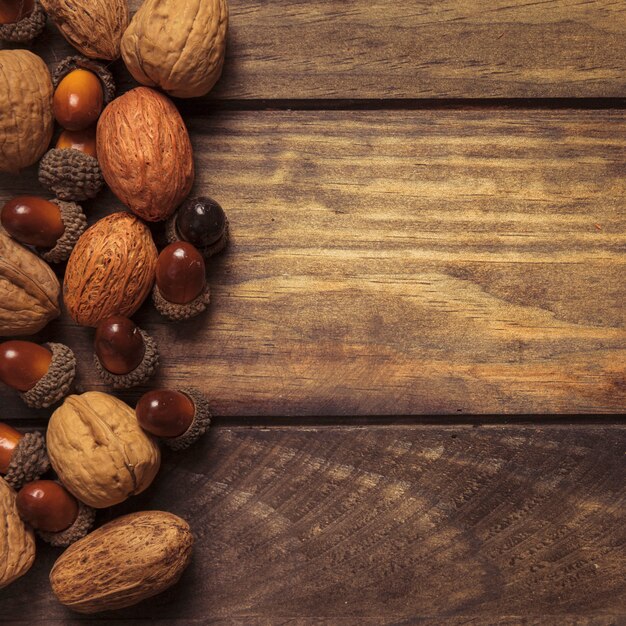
[200, 424]
[69, 64]
[140, 374]
[75, 224]
[56, 384]
[26, 29]
[70, 174]
[79, 529]
[172, 235]
[29, 460]
[181, 312]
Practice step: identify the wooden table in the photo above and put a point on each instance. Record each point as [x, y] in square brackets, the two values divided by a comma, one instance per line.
[424, 292]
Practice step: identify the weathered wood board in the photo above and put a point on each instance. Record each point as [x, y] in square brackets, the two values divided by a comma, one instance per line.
[386, 525]
[404, 263]
[373, 49]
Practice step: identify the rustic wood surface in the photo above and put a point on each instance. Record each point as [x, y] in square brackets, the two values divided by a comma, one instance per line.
[403, 263]
[386, 525]
[370, 49]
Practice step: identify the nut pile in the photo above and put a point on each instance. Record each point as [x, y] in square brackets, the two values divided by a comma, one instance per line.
[98, 451]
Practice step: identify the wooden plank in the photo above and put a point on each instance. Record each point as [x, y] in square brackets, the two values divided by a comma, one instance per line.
[394, 263]
[306, 49]
[380, 525]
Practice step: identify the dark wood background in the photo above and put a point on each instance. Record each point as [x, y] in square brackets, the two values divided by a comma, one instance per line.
[424, 292]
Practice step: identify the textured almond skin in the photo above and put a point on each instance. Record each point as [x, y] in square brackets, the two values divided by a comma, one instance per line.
[99, 451]
[126, 561]
[145, 153]
[93, 27]
[25, 92]
[111, 269]
[182, 56]
[17, 542]
[29, 290]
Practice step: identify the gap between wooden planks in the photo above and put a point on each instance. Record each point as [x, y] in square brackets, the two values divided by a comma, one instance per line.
[435, 262]
[378, 525]
[431, 49]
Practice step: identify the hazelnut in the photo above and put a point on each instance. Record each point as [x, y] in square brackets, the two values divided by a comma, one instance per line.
[181, 290]
[21, 21]
[49, 508]
[125, 355]
[43, 374]
[82, 140]
[203, 223]
[178, 417]
[78, 100]
[23, 457]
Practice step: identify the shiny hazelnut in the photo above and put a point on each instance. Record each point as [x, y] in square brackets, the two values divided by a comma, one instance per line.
[33, 221]
[178, 417]
[180, 273]
[119, 345]
[23, 364]
[9, 438]
[47, 506]
[12, 11]
[78, 100]
[81, 140]
[201, 221]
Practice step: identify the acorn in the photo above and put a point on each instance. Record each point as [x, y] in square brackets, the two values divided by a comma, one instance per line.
[125, 356]
[181, 290]
[179, 418]
[21, 21]
[57, 516]
[201, 222]
[82, 89]
[42, 374]
[23, 457]
[51, 226]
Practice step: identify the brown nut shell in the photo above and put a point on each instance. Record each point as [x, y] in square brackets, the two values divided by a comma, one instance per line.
[124, 562]
[17, 541]
[76, 62]
[145, 153]
[99, 451]
[75, 224]
[182, 56]
[29, 460]
[181, 312]
[141, 374]
[111, 270]
[26, 29]
[29, 290]
[172, 235]
[56, 384]
[79, 529]
[70, 174]
[200, 424]
[25, 91]
[93, 27]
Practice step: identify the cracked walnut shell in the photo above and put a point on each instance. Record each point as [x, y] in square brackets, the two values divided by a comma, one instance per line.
[99, 451]
[111, 270]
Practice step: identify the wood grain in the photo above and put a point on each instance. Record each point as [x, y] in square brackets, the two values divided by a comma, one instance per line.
[394, 263]
[387, 525]
[373, 49]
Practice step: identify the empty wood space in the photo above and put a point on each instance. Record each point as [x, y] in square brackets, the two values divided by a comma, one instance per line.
[427, 207]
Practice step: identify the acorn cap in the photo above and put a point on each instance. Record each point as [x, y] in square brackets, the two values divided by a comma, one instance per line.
[75, 225]
[29, 460]
[69, 64]
[200, 424]
[81, 526]
[26, 29]
[181, 312]
[57, 381]
[172, 236]
[70, 174]
[140, 374]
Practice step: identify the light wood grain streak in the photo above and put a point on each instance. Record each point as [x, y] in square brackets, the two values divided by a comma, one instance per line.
[378, 526]
[430, 49]
[382, 263]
